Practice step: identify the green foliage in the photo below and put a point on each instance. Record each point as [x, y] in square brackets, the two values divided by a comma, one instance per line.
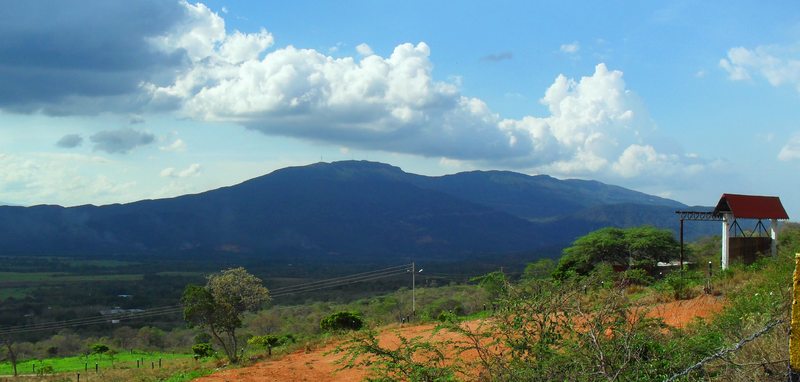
[341, 321]
[202, 338]
[541, 269]
[220, 305]
[413, 360]
[268, 341]
[99, 348]
[644, 245]
[45, 370]
[495, 284]
[203, 350]
[52, 350]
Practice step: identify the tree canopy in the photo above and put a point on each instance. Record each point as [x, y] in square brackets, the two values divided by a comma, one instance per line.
[220, 305]
[644, 245]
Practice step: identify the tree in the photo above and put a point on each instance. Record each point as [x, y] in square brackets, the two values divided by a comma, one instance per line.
[341, 321]
[99, 348]
[267, 341]
[220, 305]
[633, 246]
[13, 352]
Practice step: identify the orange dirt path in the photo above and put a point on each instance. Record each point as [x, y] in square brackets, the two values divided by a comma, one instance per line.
[316, 366]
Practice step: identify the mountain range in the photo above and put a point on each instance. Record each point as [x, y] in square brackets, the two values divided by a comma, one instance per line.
[346, 209]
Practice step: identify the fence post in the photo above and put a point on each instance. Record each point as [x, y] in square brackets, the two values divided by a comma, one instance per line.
[794, 337]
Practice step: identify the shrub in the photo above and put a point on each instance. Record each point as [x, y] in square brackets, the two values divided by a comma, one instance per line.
[203, 350]
[341, 321]
[99, 348]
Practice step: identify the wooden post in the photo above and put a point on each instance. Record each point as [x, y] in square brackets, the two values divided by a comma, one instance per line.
[794, 337]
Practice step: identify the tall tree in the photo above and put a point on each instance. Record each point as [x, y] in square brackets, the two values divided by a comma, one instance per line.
[220, 305]
[13, 351]
[638, 245]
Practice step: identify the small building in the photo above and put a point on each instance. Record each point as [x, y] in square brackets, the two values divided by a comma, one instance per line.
[737, 244]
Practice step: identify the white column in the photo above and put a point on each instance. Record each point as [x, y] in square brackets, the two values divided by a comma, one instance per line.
[726, 229]
[773, 233]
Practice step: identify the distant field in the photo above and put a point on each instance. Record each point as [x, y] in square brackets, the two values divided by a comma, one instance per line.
[100, 263]
[59, 277]
[177, 273]
[17, 293]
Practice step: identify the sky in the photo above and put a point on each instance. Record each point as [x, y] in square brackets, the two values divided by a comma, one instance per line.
[116, 101]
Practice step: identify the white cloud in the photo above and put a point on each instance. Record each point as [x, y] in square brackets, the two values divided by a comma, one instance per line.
[224, 9]
[779, 65]
[364, 50]
[393, 104]
[178, 145]
[67, 179]
[571, 48]
[700, 73]
[174, 188]
[791, 150]
[193, 170]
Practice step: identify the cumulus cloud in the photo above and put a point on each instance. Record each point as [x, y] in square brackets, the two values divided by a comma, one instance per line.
[170, 172]
[571, 48]
[595, 126]
[66, 179]
[364, 50]
[120, 141]
[178, 145]
[791, 150]
[498, 57]
[83, 56]
[69, 141]
[778, 65]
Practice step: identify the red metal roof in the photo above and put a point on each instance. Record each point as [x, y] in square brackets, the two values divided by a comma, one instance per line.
[752, 207]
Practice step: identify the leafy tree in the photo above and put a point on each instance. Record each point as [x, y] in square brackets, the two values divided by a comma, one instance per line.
[221, 304]
[52, 351]
[12, 350]
[495, 284]
[638, 245]
[99, 348]
[267, 341]
[541, 269]
[341, 321]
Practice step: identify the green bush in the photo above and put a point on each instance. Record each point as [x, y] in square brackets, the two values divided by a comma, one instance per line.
[203, 350]
[341, 321]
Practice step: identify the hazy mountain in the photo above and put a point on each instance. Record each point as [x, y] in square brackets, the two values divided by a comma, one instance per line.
[342, 209]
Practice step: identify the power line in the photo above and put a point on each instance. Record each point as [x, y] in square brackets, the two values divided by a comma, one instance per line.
[399, 268]
[172, 309]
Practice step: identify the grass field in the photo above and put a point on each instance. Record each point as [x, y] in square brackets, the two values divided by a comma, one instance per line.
[17, 293]
[99, 263]
[124, 360]
[59, 277]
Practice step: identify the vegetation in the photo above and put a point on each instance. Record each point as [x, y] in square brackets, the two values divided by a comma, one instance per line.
[591, 326]
[341, 321]
[595, 327]
[221, 304]
[631, 247]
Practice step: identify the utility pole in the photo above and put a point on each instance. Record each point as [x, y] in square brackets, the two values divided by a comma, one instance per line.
[414, 289]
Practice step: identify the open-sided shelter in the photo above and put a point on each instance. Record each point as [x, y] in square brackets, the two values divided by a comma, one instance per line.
[736, 243]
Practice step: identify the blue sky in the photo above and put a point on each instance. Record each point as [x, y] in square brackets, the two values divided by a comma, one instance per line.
[111, 102]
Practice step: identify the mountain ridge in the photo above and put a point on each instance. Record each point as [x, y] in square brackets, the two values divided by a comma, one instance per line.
[350, 208]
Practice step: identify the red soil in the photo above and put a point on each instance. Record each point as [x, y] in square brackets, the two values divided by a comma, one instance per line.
[316, 366]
